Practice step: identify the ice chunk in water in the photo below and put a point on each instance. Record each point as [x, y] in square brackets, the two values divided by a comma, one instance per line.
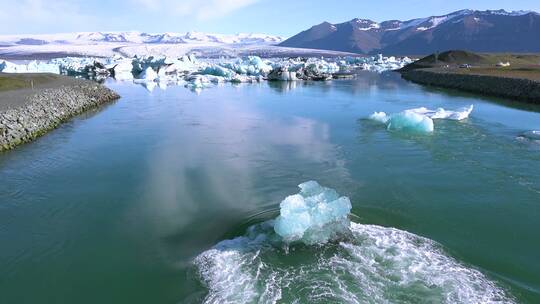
[380, 117]
[314, 216]
[149, 74]
[410, 121]
[441, 113]
[419, 119]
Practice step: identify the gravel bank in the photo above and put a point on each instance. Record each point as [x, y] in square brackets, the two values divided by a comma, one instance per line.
[515, 88]
[44, 109]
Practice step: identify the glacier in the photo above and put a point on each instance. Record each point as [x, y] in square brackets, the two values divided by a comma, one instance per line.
[419, 119]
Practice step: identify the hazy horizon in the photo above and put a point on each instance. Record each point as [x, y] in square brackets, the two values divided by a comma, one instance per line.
[223, 17]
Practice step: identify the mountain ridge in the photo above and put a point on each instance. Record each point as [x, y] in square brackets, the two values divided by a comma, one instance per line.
[481, 31]
[139, 38]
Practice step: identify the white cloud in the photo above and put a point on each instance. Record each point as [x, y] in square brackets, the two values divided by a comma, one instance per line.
[37, 14]
[202, 10]
[47, 16]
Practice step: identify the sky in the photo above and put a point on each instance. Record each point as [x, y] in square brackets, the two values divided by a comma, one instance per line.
[277, 17]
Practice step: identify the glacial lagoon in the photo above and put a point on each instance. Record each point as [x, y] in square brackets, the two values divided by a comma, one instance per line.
[172, 196]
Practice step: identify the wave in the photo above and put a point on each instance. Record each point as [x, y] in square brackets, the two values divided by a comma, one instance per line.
[368, 264]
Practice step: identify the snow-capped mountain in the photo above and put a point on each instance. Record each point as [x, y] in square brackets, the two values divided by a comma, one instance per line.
[484, 31]
[139, 38]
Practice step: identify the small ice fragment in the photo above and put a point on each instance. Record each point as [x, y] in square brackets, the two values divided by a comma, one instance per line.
[380, 117]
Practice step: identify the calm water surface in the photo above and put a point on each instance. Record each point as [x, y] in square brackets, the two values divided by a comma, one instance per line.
[114, 206]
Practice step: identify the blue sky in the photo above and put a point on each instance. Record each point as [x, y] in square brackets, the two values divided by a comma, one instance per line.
[280, 17]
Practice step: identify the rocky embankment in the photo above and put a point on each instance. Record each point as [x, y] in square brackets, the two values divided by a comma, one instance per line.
[515, 88]
[46, 108]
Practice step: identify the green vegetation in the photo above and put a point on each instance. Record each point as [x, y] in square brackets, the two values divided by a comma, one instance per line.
[23, 81]
[531, 73]
[522, 66]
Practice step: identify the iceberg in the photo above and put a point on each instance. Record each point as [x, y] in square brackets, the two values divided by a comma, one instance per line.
[410, 122]
[217, 70]
[31, 67]
[314, 216]
[149, 75]
[441, 113]
[407, 121]
[169, 70]
[379, 117]
[123, 70]
[419, 119]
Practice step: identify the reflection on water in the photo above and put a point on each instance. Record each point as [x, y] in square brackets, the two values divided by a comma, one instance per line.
[115, 206]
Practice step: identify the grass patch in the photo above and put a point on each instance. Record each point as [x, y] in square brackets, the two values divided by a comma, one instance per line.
[23, 81]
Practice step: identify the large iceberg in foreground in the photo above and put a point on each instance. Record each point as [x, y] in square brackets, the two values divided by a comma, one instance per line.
[314, 216]
[419, 119]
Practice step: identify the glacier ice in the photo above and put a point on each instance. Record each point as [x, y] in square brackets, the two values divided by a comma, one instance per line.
[314, 216]
[441, 113]
[407, 121]
[31, 67]
[379, 117]
[123, 70]
[148, 74]
[410, 122]
[369, 264]
[170, 70]
[419, 119]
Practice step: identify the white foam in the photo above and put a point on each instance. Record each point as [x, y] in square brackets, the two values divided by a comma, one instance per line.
[441, 113]
[532, 135]
[371, 264]
[377, 265]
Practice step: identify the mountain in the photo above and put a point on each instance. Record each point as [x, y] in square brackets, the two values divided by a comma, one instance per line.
[140, 38]
[480, 31]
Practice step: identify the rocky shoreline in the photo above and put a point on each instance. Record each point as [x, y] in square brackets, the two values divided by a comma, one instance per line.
[47, 108]
[527, 90]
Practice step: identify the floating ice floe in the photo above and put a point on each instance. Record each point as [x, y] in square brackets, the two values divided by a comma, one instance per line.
[367, 264]
[441, 113]
[314, 216]
[419, 119]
